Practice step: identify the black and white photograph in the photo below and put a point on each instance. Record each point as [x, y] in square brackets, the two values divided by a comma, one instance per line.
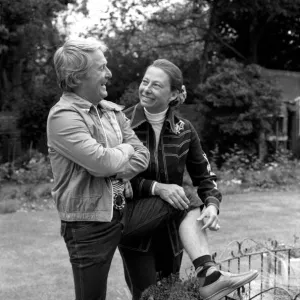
[149, 150]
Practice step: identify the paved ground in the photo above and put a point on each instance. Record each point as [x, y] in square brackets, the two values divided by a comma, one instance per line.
[34, 262]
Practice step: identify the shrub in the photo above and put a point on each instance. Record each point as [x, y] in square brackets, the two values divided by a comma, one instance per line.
[32, 168]
[33, 114]
[173, 288]
[241, 170]
[237, 102]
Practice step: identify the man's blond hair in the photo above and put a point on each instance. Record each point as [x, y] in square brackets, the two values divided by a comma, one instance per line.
[72, 61]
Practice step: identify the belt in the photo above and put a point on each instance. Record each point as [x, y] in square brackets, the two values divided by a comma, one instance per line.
[119, 201]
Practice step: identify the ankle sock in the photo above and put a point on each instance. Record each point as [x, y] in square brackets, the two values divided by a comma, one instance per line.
[206, 270]
[201, 260]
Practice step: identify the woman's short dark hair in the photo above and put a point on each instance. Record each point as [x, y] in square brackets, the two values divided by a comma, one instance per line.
[173, 72]
[175, 77]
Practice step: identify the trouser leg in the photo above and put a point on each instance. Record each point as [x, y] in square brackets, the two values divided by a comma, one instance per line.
[139, 270]
[166, 262]
[143, 217]
[91, 247]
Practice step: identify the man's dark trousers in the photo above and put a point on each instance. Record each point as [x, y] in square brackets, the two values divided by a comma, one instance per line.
[91, 245]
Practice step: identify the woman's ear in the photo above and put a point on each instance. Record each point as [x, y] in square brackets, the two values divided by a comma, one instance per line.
[174, 95]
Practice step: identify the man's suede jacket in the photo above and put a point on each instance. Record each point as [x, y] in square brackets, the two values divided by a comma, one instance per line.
[82, 162]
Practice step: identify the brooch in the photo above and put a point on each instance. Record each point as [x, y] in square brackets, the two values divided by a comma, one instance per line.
[179, 127]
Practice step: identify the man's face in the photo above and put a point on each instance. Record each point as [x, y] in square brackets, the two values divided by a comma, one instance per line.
[93, 86]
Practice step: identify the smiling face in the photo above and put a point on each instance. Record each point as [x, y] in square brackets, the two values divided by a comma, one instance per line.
[93, 86]
[155, 90]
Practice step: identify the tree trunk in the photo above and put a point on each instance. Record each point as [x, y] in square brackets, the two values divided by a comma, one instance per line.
[208, 39]
[262, 145]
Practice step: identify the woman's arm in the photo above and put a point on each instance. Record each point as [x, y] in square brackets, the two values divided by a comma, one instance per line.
[201, 174]
[204, 179]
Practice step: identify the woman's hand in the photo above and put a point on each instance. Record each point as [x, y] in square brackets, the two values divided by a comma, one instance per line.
[173, 194]
[211, 214]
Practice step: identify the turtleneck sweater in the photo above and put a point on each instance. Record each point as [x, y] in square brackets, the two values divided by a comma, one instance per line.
[156, 121]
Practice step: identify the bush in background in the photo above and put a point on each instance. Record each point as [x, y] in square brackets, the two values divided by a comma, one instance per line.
[33, 113]
[31, 168]
[27, 182]
[241, 171]
[237, 102]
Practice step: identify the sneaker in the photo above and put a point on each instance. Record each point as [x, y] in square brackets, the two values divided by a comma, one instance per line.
[226, 284]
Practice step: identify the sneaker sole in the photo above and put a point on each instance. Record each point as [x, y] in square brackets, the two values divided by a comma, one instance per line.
[226, 291]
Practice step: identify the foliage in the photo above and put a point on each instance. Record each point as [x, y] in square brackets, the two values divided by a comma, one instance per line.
[33, 114]
[262, 32]
[26, 183]
[170, 29]
[138, 33]
[130, 96]
[173, 288]
[27, 41]
[242, 170]
[240, 159]
[31, 168]
[237, 102]
[194, 33]
[127, 69]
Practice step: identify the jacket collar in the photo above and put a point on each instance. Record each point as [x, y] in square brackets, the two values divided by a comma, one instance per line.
[139, 117]
[85, 105]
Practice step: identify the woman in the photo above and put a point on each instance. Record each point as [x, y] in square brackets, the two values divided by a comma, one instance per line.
[174, 145]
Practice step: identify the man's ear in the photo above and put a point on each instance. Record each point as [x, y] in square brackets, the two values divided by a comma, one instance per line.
[77, 80]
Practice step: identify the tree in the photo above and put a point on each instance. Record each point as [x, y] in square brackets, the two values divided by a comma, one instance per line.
[195, 33]
[27, 39]
[138, 33]
[264, 32]
[237, 102]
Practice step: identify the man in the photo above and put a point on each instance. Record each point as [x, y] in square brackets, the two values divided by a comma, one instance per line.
[93, 152]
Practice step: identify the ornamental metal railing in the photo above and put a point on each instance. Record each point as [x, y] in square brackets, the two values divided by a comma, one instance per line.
[278, 265]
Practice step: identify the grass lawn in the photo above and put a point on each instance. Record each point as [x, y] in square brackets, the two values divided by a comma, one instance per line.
[34, 261]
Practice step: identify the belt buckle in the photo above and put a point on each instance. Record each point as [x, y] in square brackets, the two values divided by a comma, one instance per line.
[119, 201]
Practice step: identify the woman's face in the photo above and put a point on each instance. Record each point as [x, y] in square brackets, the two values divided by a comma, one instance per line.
[155, 90]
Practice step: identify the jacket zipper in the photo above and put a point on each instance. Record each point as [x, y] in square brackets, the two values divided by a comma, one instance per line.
[109, 180]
